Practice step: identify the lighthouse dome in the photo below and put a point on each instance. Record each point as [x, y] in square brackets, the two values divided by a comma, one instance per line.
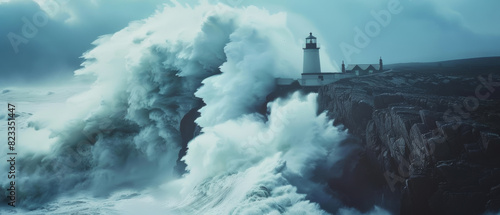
[311, 36]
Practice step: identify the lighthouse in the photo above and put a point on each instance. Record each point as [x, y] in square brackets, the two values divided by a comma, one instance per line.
[312, 78]
[311, 56]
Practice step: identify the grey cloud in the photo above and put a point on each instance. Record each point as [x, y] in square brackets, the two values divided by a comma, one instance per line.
[53, 53]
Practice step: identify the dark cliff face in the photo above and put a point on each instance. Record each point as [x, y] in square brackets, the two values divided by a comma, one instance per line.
[432, 129]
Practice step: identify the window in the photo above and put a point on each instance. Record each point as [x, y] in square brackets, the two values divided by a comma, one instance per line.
[310, 41]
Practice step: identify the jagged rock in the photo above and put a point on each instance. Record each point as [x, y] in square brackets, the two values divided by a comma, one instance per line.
[490, 179]
[428, 118]
[439, 149]
[414, 126]
[473, 151]
[495, 191]
[491, 144]
[493, 205]
[418, 191]
[372, 140]
[419, 150]
[386, 99]
[457, 203]
[362, 112]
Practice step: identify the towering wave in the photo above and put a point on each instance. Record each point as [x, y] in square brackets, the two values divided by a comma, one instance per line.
[123, 133]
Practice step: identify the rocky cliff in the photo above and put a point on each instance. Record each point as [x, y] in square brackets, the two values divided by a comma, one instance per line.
[432, 131]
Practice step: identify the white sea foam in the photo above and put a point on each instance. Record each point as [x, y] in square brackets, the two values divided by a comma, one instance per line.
[123, 132]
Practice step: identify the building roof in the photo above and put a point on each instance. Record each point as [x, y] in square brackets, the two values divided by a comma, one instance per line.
[362, 66]
[311, 36]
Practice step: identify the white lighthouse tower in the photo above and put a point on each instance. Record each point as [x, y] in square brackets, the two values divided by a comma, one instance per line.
[311, 56]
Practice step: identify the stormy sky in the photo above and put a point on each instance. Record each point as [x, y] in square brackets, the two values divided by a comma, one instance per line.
[358, 31]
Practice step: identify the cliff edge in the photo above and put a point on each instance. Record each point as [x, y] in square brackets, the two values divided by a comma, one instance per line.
[432, 129]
